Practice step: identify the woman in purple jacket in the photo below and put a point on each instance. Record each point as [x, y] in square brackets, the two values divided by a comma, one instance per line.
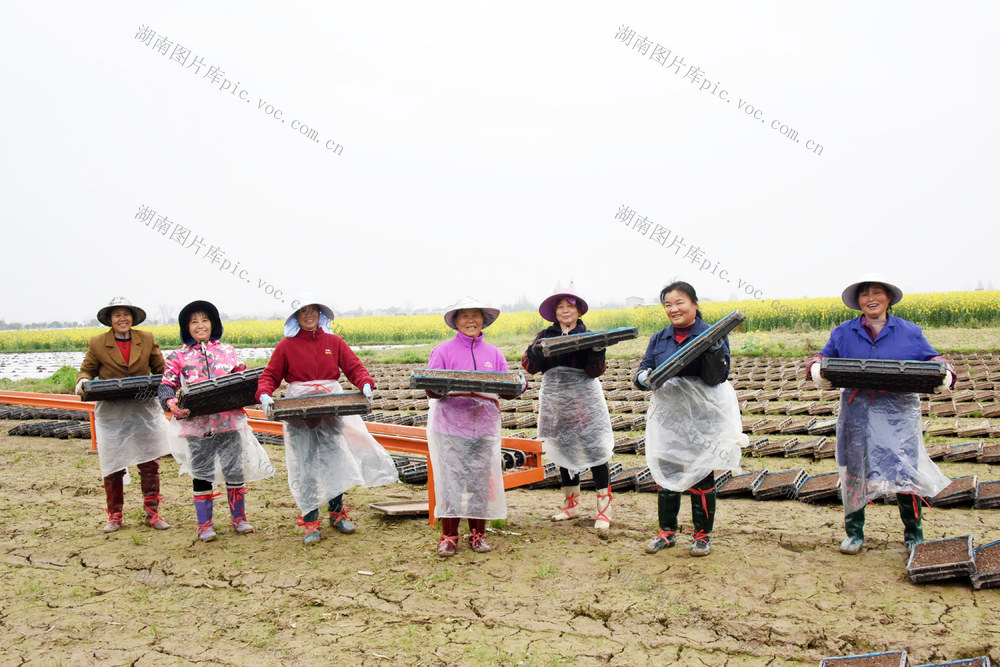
[463, 433]
[880, 445]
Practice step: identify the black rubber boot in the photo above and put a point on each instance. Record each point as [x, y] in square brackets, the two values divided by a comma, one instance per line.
[910, 512]
[703, 517]
[338, 515]
[854, 524]
[668, 504]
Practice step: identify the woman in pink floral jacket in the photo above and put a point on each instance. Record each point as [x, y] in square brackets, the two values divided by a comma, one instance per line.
[219, 446]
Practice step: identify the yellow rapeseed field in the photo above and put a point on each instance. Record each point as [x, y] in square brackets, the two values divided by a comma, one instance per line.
[957, 309]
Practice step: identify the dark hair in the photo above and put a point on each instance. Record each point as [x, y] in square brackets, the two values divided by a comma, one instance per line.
[867, 285]
[684, 288]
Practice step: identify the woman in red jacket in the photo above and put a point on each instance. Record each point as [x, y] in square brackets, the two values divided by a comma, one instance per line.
[325, 455]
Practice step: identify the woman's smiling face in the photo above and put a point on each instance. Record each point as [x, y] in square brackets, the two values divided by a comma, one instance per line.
[679, 307]
[874, 300]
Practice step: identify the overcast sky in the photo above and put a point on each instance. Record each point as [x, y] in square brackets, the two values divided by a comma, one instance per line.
[487, 149]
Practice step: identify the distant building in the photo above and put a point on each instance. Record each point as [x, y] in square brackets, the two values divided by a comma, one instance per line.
[633, 301]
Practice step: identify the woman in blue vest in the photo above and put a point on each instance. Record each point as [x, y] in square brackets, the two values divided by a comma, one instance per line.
[880, 446]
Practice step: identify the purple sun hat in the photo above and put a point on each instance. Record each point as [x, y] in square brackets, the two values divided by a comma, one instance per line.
[548, 308]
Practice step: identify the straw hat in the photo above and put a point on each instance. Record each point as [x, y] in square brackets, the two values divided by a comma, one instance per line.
[104, 314]
[490, 315]
[850, 294]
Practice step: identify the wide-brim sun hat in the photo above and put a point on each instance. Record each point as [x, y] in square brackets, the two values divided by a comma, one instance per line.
[200, 306]
[850, 294]
[548, 308]
[104, 314]
[490, 315]
[307, 299]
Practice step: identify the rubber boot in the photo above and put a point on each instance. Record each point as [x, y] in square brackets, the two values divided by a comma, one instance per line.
[854, 524]
[910, 512]
[149, 473]
[477, 540]
[338, 516]
[448, 543]
[114, 492]
[703, 517]
[571, 504]
[668, 504]
[603, 521]
[311, 523]
[203, 510]
[237, 509]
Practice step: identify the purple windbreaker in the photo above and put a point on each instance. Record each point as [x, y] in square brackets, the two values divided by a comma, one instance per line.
[468, 415]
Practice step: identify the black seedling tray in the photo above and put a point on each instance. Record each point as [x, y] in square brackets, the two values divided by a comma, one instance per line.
[564, 344]
[888, 374]
[698, 345]
[122, 389]
[487, 382]
[228, 392]
[788, 483]
[738, 485]
[320, 405]
[817, 488]
[962, 567]
[883, 659]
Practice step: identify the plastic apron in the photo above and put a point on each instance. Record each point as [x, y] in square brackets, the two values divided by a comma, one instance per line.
[692, 429]
[573, 420]
[880, 448]
[328, 455]
[128, 433]
[463, 437]
[220, 457]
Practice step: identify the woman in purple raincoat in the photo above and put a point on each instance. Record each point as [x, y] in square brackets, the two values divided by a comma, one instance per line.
[880, 446]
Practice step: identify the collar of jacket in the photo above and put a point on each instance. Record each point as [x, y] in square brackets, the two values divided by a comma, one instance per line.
[115, 351]
[309, 335]
[556, 329]
[698, 327]
[465, 341]
[858, 325]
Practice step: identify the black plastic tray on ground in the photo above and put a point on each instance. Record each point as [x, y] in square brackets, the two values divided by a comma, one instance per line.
[883, 659]
[968, 662]
[122, 389]
[228, 392]
[987, 495]
[888, 374]
[779, 484]
[986, 576]
[819, 488]
[581, 341]
[962, 490]
[320, 405]
[691, 351]
[961, 565]
[488, 382]
[740, 485]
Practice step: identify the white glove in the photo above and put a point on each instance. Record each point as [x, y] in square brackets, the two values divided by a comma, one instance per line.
[266, 402]
[524, 382]
[814, 373]
[948, 378]
[79, 388]
[366, 390]
[642, 376]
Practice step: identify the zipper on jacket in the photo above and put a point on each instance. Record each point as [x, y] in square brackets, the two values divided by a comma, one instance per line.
[472, 351]
[208, 367]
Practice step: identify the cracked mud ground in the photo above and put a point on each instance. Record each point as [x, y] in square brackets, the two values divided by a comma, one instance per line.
[775, 590]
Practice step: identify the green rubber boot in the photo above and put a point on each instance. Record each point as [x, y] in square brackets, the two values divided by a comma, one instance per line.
[668, 504]
[854, 524]
[910, 512]
[703, 517]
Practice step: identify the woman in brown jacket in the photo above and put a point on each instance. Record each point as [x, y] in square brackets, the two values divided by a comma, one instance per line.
[130, 432]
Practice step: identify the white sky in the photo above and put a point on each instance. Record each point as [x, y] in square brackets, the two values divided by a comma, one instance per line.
[487, 149]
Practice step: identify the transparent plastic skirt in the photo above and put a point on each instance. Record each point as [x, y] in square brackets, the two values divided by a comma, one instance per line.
[329, 455]
[129, 433]
[573, 420]
[463, 436]
[227, 457]
[880, 448]
[692, 429]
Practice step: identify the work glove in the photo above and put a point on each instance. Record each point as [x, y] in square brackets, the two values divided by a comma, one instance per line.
[79, 388]
[266, 402]
[367, 391]
[524, 382]
[640, 378]
[179, 413]
[948, 379]
[814, 373]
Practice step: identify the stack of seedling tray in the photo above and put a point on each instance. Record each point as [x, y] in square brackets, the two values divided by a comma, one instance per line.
[587, 478]
[486, 382]
[990, 454]
[822, 427]
[820, 488]
[764, 447]
[888, 374]
[807, 447]
[884, 659]
[122, 389]
[411, 469]
[779, 485]
[740, 485]
[43, 429]
[987, 572]
[691, 351]
[72, 429]
[987, 496]
[644, 482]
[949, 558]
[565, 344]
[964, 452]
[20, 412]
[551, 480]
[320, 405]
[228, 392]
[983, 661]
[825, 450]
[722, 476]
[961, 491]
[630, 445]
[626, 479]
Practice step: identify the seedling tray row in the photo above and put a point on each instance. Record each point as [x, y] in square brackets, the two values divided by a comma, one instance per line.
[487, 382]
[582, 341]
[887, 374]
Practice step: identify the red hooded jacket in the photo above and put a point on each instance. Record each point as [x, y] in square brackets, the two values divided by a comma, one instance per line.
[308, 356]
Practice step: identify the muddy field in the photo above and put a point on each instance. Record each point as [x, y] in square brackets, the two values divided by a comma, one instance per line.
[775, 590]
